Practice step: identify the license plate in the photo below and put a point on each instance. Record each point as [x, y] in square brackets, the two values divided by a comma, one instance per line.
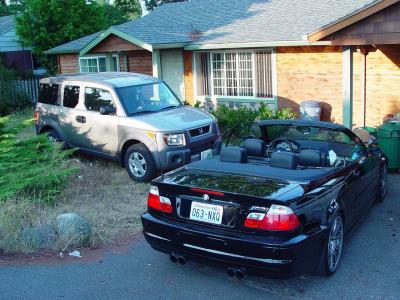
[208, 213]
[206, 154]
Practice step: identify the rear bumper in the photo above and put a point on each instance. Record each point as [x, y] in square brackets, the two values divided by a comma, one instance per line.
[259, 255]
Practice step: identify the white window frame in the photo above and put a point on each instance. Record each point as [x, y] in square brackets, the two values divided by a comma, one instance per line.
[97, 59]
[211, 79]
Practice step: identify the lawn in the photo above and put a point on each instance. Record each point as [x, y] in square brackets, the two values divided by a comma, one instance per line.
[99, 191]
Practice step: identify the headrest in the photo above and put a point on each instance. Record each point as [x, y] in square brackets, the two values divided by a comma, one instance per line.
[312, 158]
[234, 154]
[254, 147]
[285, 160]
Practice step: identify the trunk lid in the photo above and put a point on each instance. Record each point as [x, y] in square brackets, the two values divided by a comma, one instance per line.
[232, 195]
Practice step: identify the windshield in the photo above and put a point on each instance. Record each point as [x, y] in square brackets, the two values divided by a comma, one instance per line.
[150, 97]
[306, 133]
[337, 145]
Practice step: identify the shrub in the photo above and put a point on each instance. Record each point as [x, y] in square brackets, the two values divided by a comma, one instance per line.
[33, 166]
[240, 120]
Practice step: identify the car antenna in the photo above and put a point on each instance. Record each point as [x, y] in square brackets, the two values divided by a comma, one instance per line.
[159, 158]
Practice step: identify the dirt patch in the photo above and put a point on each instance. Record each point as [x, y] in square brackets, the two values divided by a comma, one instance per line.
[103, 193]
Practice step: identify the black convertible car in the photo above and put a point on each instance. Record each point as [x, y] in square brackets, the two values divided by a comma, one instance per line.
[282, 201]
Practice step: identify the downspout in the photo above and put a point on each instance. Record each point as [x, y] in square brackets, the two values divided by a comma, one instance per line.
[363, 76]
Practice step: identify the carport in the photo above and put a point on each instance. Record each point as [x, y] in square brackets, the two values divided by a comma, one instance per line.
[370, 40]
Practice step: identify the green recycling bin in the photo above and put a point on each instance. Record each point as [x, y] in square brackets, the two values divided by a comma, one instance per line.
[389, 141]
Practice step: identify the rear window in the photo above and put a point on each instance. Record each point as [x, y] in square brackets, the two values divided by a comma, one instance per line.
[48, 94]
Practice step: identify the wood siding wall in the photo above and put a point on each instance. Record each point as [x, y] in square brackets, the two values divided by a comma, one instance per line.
[68, 63]
[380, 28]
[382, 84]
[188, 74]
[311, 73]
[114, 43]
[140, 61]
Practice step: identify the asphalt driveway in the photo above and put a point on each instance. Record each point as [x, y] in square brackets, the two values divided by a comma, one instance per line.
[369, 269]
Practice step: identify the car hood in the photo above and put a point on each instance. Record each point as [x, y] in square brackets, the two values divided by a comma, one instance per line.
[172, 120]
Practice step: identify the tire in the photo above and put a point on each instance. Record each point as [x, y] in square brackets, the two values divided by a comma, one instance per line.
[334, 244]
[382, 184]
[54, 136]
[139, 163]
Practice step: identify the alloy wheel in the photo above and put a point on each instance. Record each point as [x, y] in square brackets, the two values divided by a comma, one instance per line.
[335, 243]
[137, 164]
[383, 181]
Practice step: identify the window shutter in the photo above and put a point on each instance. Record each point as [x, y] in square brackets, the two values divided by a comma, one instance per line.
[203, 73]
[263, 70]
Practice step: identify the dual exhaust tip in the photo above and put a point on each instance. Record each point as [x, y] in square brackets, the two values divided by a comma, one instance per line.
[177, 258]
[239, 273]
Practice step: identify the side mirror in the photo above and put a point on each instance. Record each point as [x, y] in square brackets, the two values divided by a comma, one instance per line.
[107, 110]
[374, 149]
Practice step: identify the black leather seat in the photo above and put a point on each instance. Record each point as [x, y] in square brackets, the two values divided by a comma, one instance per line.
[312, 158]
[234, 154]
[285, 160]
[254, 147]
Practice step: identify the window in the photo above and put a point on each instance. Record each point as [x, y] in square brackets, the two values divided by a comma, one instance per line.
[235, 74]
[147, 98]
[94, 64]
[71, 96]
[48, 94]
[96, 98]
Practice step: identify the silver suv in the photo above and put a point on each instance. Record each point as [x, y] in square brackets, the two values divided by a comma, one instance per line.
[132, 118]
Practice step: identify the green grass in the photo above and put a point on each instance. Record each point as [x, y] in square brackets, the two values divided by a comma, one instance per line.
[98, 190]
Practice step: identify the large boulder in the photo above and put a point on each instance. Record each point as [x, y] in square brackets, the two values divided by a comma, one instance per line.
[73, 229]
[38, 237]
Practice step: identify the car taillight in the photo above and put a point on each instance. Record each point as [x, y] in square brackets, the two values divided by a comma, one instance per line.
[157, 202]
[36, 116]
[277, 218]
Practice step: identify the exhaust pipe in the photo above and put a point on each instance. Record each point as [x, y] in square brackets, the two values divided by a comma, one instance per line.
[240, 273]
[173, 257]
[181, 259]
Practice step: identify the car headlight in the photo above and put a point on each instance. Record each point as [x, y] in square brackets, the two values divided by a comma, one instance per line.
[177, 139]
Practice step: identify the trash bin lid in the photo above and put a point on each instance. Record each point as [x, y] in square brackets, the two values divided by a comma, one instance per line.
[389, 129]
[311, 103]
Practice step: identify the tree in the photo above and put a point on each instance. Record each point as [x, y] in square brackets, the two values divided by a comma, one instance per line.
[152, 4]
[130, 8]
[44, 24]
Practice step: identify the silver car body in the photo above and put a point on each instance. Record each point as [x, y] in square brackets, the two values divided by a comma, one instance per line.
[110, 135]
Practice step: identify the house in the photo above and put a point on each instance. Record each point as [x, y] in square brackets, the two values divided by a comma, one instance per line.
[344, 53]
[12, 54]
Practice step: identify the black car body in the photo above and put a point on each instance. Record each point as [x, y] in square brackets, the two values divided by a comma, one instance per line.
[277, 203]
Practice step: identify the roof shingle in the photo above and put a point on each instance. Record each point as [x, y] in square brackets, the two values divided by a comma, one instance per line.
[232, 21]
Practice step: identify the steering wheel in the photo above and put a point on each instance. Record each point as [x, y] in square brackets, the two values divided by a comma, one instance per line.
[272, 146]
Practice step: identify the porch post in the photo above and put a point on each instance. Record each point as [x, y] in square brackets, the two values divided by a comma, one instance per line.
[156, 63]
[109, 62]
[348, 86]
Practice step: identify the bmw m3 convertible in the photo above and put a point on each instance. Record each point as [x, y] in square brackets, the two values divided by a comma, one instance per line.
[280, 202]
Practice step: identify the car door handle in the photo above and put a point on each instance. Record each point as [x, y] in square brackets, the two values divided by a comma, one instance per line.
[80, 119]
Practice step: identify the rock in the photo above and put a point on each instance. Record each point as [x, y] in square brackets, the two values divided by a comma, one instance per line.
[38, 237]
[73, 229]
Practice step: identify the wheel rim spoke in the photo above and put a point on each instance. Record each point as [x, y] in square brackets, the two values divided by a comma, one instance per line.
[137, 164]
[335, 243]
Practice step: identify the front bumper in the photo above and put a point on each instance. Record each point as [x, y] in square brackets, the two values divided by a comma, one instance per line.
[258, 254]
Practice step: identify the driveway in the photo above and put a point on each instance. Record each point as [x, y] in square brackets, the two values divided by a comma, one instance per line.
[369, 269]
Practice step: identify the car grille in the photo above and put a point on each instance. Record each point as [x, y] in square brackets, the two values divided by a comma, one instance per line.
[200, 131]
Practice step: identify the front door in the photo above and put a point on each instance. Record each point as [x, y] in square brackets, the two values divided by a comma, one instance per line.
[172, 71]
